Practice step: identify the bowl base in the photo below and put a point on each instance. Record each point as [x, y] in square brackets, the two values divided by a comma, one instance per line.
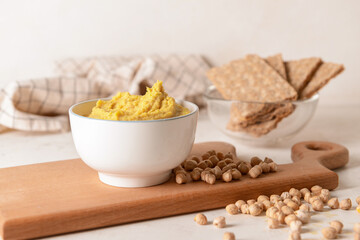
[119, 180]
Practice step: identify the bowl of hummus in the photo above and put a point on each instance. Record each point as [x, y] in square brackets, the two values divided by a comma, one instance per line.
[133, 140]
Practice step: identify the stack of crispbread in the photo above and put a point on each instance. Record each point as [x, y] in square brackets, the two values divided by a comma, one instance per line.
[265, 87]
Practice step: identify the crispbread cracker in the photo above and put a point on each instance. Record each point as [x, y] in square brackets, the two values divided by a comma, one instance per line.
[322, 76]
[299, 72]
[277, 63]
[251, 79]
[261, 128]
[279, 110]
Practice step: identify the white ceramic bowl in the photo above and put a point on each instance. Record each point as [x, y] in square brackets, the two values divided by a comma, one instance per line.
[132, 153]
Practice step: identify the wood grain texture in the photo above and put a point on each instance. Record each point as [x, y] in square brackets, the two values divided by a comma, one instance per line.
[66, 196]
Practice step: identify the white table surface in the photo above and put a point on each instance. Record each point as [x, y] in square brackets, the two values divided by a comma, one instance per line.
[336, 124]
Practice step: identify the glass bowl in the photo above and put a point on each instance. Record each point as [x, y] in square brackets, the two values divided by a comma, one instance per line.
[259, 123]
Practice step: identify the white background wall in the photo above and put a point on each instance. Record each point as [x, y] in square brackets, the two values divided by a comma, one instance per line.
[35, 33]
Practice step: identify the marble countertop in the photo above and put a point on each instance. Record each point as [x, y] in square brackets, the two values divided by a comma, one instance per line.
[340, 124]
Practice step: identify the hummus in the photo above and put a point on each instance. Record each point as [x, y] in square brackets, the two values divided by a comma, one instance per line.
[155, 104]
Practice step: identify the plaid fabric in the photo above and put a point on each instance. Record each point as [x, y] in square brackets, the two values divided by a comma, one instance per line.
[42, 104]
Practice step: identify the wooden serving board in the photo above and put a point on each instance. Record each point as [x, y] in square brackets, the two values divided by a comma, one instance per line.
[66, 196]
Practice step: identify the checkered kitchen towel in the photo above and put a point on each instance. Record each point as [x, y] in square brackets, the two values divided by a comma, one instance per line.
[42, 104]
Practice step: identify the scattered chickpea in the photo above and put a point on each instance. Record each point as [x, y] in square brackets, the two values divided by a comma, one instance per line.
[267, 204]
[273, 167]
[295, 192]
[211, 152]
[236, 174]
[189, 165]
[295, 235]
[307, 196]
[220, 155]
[293, 205]
[303, 191]
[203, 174]
[325, 195]
[274, 198]
[318, 205]
[345, 204]
[200, 219]
[304, 207]
[316, 190]
[229, 155]
[255, 171]
[329, 233]
[239, 203]
[287, 210]
[279, 204]
[268, 160]
[289, 218]
[255, 209]
[358, 200]
[314, 198]
[251, 201]
[243, 168]
[245, 209]
[296, 225]
[229, 161]
[221, 164]
[303, 216]
[229, 236]
[337, 225]
[262, 198]
[297, 200]
[196, 159]
[217, 172]
[219, 222]
[265, 167]
[271, 212]
[255, 161]
[281, 217]
[232, 209]
[202, 165]
[180, 178]
[273, 223]
[210, 178]
[333, 203]
[285, 195]
[205, 156]
[286, 200]
[227, 176]
[208, 163]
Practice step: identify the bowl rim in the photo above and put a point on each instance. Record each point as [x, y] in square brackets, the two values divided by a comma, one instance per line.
[71, 112]
[315, 97]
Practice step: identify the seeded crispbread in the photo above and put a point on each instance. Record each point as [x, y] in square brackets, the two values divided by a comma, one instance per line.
[322, 76]
[251, 79]
[261, 128]
[299, 72]
[277, 63]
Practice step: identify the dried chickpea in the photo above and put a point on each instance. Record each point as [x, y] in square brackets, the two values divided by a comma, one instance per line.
[219, 222]
[232, 209]
[236, 174]
[286, 200]
[226, 168]
[205, 156]
[271, 212]
[243, 168]
[220, 155]
[189, 165]
[228, 161]
[274, 198]
[285, 195]
[295, 235]
[273, 167]
[208, 163]
[202, 165]
[314, 198]
[229, 155]
[287, 210]
[279, 204]
[255, 161]
[281, 217]
[303, 216]
[337, 225]
[262, 198]
[290, 218]
[180, 178]
[296, 225]
[227, 176]
[267, 204]
[195, 175]
[217, 172]
[179, 169]
[239, 203]
[244, 209]
[229, 236]
[316, 190]
[345, 204]
[333, 203]
[329, 233]
[294, 192]
[210, 178]
[324, 195]
[211, 152]
[221, 164]
[265, 167]
[196, 159]
[268, 160]
[296, 199]
[318, 205]
[303, 191]
[200, 219]
[251, 201]
[307, 196]
[214, 160]
[293, 205]
[304, 207]
[273, 223]
[203, 174]
[255, 209]
[358, 200]
[255, 171]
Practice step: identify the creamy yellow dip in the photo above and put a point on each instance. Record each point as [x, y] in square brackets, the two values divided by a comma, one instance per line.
[155, 104]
